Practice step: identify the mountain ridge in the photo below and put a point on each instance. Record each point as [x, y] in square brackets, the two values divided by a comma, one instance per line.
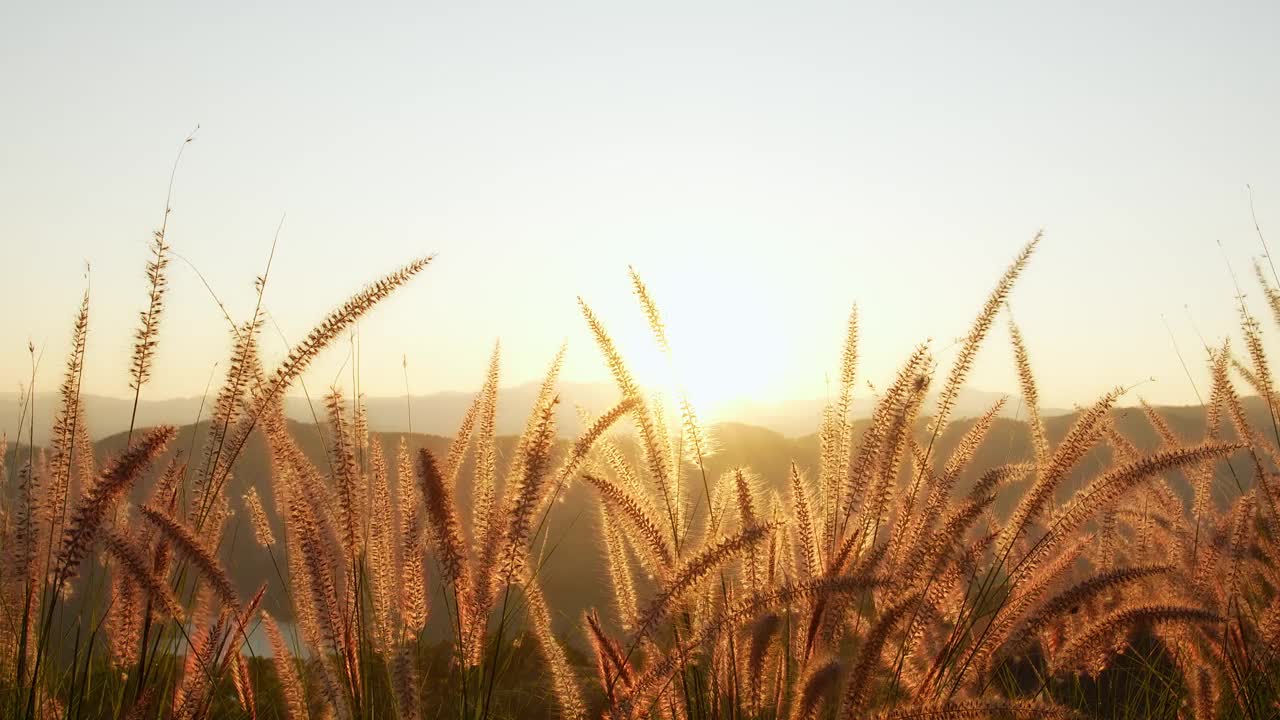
[573, 584]
[439, 413]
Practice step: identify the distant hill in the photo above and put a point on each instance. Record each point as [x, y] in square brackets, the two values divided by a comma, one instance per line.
[574, 576]
[440, 413]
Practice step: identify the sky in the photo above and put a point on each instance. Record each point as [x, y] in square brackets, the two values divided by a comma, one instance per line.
[764, 166]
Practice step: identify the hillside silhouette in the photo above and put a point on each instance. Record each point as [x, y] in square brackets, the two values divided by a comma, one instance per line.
[574, 575]
[439, 413]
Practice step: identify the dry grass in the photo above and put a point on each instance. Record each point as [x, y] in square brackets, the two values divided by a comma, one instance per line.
[880, 589]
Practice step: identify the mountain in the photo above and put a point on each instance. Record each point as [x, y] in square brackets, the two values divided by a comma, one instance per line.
[440, 413]
[795, 418]
[574, 575]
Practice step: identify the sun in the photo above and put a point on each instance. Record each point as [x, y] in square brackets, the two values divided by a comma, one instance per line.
[716, 363]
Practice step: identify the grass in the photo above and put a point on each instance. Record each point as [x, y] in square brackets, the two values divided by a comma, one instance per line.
[879, 587]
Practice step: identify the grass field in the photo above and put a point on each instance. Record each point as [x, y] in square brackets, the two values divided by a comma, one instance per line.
[878, 585]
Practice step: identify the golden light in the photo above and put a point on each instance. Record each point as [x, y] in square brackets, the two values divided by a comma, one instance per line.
[723, 347]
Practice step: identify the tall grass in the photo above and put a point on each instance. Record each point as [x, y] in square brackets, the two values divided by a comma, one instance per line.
[881, 586]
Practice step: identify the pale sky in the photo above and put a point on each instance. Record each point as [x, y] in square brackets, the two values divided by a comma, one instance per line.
[763, 167]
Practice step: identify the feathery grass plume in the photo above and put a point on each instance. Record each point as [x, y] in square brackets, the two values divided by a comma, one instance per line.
[747, 516]
[1220, 384]
[1160, 424]
[142, 707]
[981, 325]
[688, 573]
[860, 493]
[983, 710]
[1224, 395]
[1079, 439]
[382, 546]
[1081, 593]
[808, 556]
[199, 659]
[132, 559]
[227, 406]
[883, 473]
[1269, 624]
[857, 694]
[650, 309]
[413, 595]
[486, 474]
[1269, 291]
[123, 621]
[1206, 569]
[587, 440]
[763, 631]
[898, 445]
[67, 425]
[1114, 484]
[848, 373]
[816, 688]
[650, 681]
[1099, 638]
[1123, 451]
[662, 422]
[650, 442]
[935, 552]
[701, 445]
[745, 495]
[163, 493]
[346, 474]
[322, 620]
[940, 491]
[26, 514]
[1201, 476]
[461, 442]
[300, 357]
[334, 324]
[446, 535]
[1027, 590]
[244, 686]
[144, 348]
[258, 517]
[830, 469]
[1030, 396]
[442, 515]
[534, 434]
[563, 681]
[1241, 524]
[613, 668]
[621, 581]
[836, 435]
[528, 492]
[1249, 377]
[291, 688]
[866, 562]
[694, 443]
[404, 681]
[1261, 378]
[309, 554]
[111, 485]
[190, 547]
[495, 556]
[1203, 694]
[632, 509]
[620, 466]
[84, 465]
[969, 444]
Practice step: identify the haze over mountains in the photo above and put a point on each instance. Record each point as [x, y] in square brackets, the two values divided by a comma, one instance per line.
[440, 413]
[573, 575]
